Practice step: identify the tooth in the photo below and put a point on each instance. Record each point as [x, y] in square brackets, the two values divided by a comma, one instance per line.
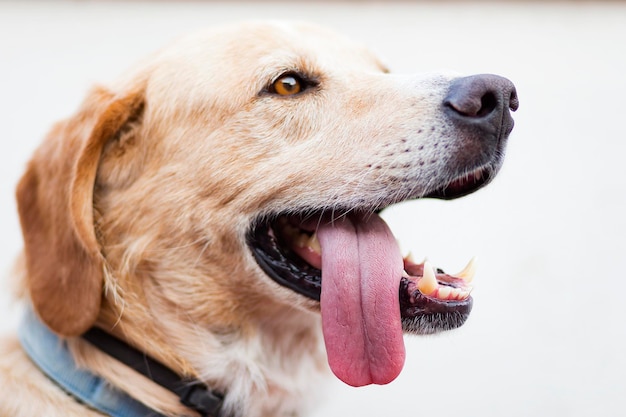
[455, 293]
[315, 244]
[444, 293]
[428, 283]
[409, 258]
[467, 274]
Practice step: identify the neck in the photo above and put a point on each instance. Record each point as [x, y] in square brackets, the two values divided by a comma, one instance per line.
[268, 367]
[60, 360]
[192, 393]
[266, 372]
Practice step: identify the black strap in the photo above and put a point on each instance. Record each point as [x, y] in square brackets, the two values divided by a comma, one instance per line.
[193, 394]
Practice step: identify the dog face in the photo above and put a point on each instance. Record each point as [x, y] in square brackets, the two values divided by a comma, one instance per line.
[207, 189]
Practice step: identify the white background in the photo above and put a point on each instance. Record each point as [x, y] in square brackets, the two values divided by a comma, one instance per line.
[546, 337]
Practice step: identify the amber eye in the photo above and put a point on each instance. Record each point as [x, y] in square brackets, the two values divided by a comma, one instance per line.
[287, 85]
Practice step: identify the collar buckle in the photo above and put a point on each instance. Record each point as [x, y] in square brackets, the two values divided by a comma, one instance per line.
[199, 398]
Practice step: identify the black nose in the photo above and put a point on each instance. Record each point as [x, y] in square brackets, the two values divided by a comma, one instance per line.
[482, 101]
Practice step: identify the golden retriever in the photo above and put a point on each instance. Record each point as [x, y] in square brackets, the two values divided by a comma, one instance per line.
[217, 210]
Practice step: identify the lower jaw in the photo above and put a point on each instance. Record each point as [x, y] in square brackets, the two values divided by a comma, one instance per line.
[423, 315]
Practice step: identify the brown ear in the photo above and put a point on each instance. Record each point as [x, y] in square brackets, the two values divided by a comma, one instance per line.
[55, 204]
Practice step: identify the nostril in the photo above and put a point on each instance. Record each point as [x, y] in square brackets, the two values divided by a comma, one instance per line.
[473, 105]
[479, 96]
[513, 100]
[488, 103]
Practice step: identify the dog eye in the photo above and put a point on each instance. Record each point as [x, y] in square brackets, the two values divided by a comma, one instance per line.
[287, 85]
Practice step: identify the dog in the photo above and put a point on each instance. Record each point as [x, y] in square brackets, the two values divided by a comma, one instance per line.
[203, 236]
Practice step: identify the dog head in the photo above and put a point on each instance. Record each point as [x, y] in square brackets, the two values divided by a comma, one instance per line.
[190, 198]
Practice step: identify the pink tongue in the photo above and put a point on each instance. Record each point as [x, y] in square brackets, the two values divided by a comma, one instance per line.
[361, 270]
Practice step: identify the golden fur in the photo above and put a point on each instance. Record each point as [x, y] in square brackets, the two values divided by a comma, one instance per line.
[135, 211]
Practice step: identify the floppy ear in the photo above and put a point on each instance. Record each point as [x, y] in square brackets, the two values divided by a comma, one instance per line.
[55, 203]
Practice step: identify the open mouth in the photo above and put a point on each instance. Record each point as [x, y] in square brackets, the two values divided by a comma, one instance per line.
[369, 294]
[289, 252]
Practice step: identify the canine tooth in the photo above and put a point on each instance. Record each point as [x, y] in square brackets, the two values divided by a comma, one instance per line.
[467, 274]
[315, 244]
[428, 283]
[423, 261]
[409, 258]
[444, 293]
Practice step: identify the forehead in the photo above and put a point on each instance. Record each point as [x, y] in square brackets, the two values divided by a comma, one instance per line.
[258, 49]
[311, 44]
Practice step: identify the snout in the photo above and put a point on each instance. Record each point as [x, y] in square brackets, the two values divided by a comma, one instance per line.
[482, 104]
[479, 108]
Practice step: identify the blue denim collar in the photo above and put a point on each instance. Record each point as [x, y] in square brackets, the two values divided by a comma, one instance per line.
[51, 354]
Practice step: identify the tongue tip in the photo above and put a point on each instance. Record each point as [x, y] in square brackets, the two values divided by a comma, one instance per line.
[381, 375]
[368, 380]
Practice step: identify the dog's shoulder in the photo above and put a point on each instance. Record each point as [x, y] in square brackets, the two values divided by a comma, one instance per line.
[27, 392]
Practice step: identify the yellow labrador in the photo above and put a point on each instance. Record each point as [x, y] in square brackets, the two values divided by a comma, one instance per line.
[211, 221]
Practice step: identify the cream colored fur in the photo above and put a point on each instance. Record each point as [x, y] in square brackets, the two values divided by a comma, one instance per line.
[176, 160]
